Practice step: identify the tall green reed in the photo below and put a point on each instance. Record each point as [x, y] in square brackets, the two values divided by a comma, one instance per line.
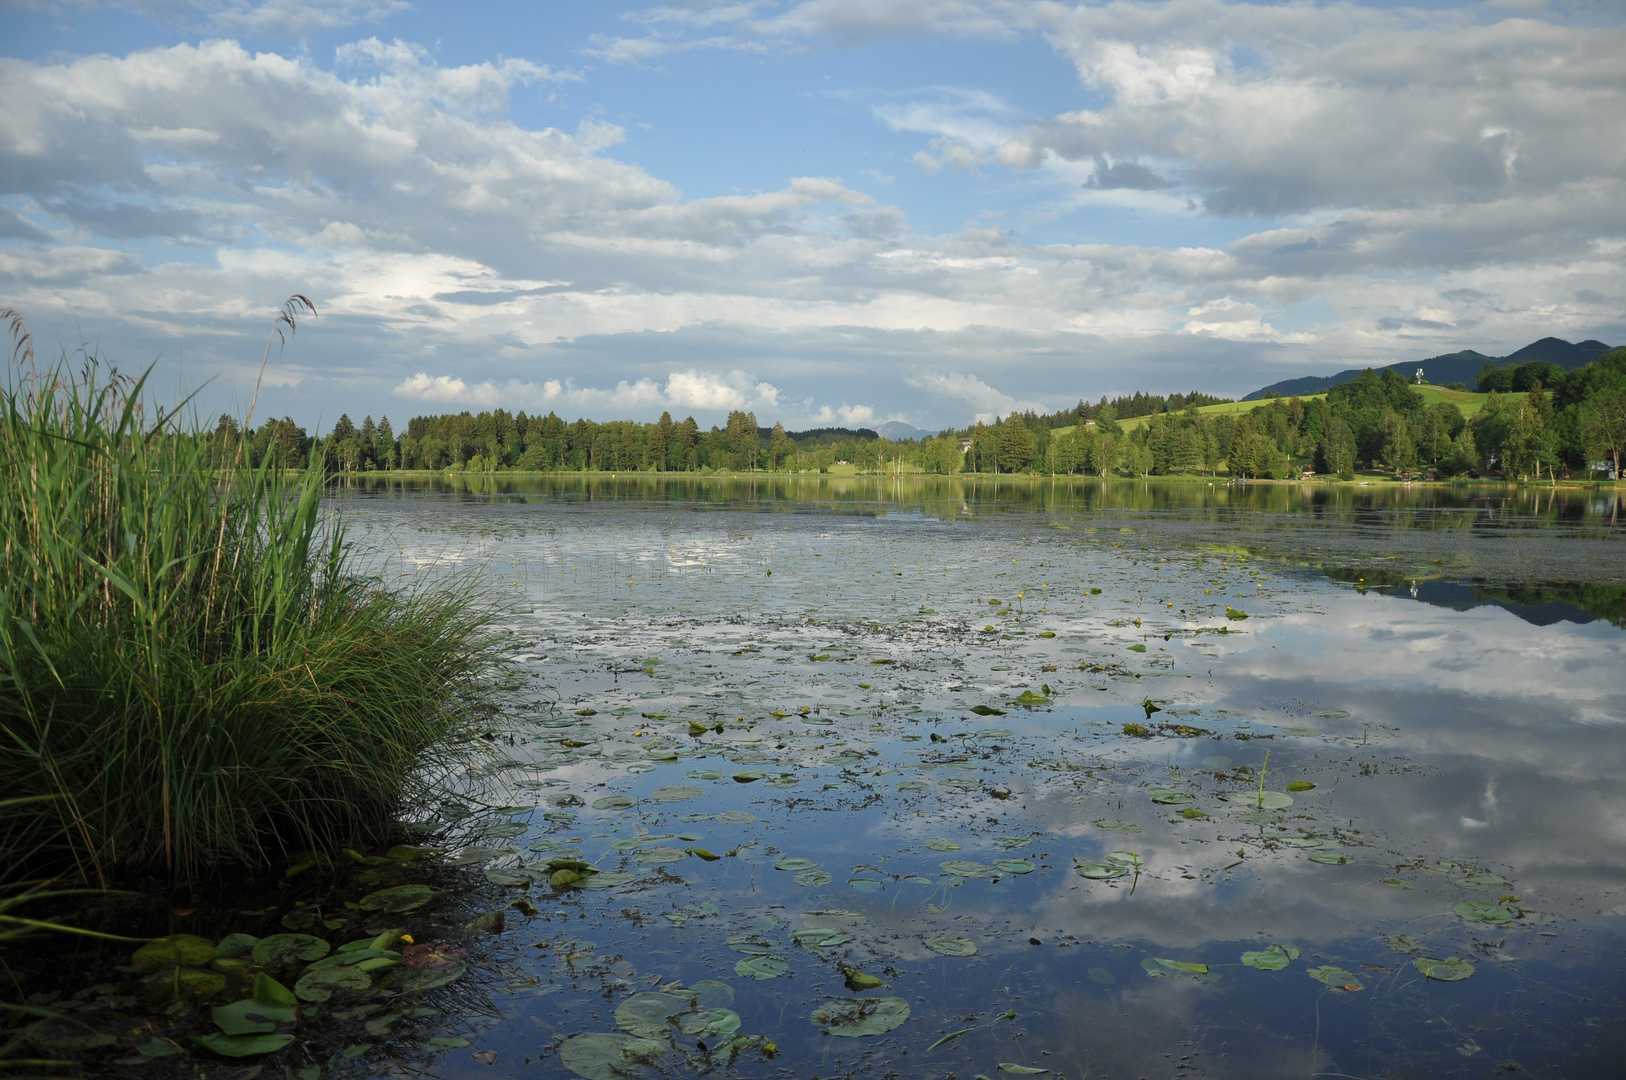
[192, 675]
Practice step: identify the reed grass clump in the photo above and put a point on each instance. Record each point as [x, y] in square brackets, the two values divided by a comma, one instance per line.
[192, 675]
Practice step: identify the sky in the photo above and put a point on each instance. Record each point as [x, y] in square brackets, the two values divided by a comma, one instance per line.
[827, 212]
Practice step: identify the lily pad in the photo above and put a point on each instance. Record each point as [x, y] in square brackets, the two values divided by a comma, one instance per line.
[814, 879]
[1272, 959]
[506, 830]
[323, 984]
[709, 1023]
[762, 967]
[184, 950]
[748, 776]
[1484, 911]
[1020, 1070]
[1300, 785]
[865, 885]
[967, 869]
[608, 879]
[858, 1017]
[1014, 866]
[1159, 968]
[1100, 871]
[939, 844]
[648, 1015]
[821, 937]
[614, 802]
[1454, 970]
[1331, 858]
[952, 945]
[285, 950]
[662, 854]
[987, 710]
[606, 1056]
[1110, 825]
[1169, 797]
[243, 1045]
[397, 899]
[736, 817]
[794, 864]
[1335, 977]
[675, 793]
[1483, 882]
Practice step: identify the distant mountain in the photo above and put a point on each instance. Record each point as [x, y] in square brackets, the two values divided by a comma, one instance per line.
[1460, 366]
[897, 430]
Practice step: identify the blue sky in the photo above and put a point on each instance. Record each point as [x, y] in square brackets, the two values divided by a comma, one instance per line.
[824, 211]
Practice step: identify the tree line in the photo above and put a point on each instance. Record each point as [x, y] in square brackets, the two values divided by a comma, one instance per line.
[1558, 422]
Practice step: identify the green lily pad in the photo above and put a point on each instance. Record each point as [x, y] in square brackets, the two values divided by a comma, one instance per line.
[1272, 959]
[614, 802]
[705, 774]
[967, 869]
[661, 854]
[234, 945]
[397, 899]
[1484, 911]
[1397, 883]
[1300, 785]
[1404, 943]
[607, 879]
[709, 1023]
[1269, 800]
[1020, 1070]
[1014, 866]
[857, 1017]
[675, 793]
[243, 1045]
[272, 1004]
[865, 885]
[1335, 977]
[70, 1033]
[762, 967]
[821, 937]
[506, 830]
[1331, 858]
[1159, 968]
[1028, 697]
[711, 994]
[952, 945]
[322, 984]
[406, 980]
[508, 876]
[843, 759]
[177, 950]
[814, 879]
[606, 1056]
[1100, 871]
[783, 780]
[1169, 797]
[1454, 970]
[285, 950]
[939, 844]
[1332, 714]
[914, 785]
[987, 710]
[794, 864]
[1110, 825]
[1483, 882]
[648, 1015]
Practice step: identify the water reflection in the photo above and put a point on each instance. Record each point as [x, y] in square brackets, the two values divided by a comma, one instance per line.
[863, 700]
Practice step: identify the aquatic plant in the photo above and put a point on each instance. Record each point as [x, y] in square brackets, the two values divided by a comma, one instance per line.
[191, 672]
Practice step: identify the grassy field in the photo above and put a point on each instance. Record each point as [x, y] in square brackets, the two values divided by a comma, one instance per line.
[1469, 402]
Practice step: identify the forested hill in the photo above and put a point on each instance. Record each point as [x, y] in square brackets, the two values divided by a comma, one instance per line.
[1463, 367]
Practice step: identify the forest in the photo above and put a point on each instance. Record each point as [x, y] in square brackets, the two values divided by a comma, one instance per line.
[1534, 420]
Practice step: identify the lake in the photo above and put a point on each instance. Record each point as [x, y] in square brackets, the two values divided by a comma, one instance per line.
[942, 778]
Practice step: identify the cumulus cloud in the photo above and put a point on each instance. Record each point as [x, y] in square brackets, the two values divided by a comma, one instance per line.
[702, 391]
[988, 403]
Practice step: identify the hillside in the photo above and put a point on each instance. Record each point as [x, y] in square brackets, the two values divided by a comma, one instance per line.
[1460, 366]
[1470, 403]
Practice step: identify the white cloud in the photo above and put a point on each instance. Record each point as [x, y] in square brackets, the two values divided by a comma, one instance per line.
[988, 403]
[706, 392]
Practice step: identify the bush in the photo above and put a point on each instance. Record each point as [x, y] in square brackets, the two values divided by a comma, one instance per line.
[191, 674]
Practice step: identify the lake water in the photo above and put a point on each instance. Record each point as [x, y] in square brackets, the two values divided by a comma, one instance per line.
[1004, 749]
[962, 779]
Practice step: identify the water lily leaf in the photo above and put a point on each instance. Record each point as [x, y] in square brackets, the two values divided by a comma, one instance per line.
[794, 864]
[858, 981]
[1011, 843]
[1397, 883]
[234, 945]
[914, 785]
[1331, 858]
[1137, 648]
[1272, 959]
[661, 854]
[322, 984]
[843, 759]
[987, 710]
[711, 994]
[406, 980]
[471, 855]
[705, 774]
[1159, 968]
[1169, 797]
[606, 1056]
[1332, 714]
[1233, 613]
[858, 1017]
[967, 869]
[749, 943]
[1020, 1070]
[784, 780]
[1482, 881]
[952, 945]
[939, 844]
[814, 879]
[1454, 970]
[1335, 977]
[710, 1022]
[865, 885]
[1484, 911]
[748, 776]
[762, 967]
[1300, 785]
[607, 879]
[397, 899]
[183, 950]
[1014, 866]
[1404, 943]
[821, 937]
[243, 1045]
[506, 829]
[1102, 976]
[1110, 825]
[1028, 697]
[284, 950]
[614, 802]
[648, 1015]
[674, 793]
[1100, 871]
